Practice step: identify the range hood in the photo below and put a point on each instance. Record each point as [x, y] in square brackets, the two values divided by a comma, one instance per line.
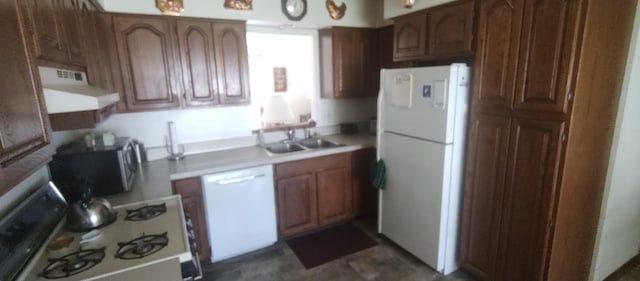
[68, 91]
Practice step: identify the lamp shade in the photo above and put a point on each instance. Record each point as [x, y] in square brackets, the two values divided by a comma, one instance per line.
[277, 111]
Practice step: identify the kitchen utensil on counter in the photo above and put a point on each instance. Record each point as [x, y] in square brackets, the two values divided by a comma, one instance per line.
[89, 213]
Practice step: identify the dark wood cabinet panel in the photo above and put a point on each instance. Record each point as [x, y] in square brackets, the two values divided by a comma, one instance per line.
[483, 194]
[531, 182]
[146, 51]
[74, 31]
[24, 131]
[348, 62]
[192, 200]
[233, 68]
[313, 192]
[450, 30]
[195, 40]
[334, 196]
[297, 210]
[365, 195]
[496, 53]
[48, 27]
[546, 53]
[410, 34]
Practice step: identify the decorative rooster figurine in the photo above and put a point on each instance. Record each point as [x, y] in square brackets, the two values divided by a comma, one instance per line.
[336, 12]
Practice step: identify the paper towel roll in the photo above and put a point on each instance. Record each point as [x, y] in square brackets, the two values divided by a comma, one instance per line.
[173, 138]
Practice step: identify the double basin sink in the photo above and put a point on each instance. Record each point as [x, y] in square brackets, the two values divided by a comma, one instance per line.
[303, 145]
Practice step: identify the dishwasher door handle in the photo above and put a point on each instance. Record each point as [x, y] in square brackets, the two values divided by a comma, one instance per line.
[237, 180]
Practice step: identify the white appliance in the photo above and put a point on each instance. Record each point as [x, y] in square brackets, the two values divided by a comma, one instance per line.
[69, 91]
[240, 210]
[422, 114]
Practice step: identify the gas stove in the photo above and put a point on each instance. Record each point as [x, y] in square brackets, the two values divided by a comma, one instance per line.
[144, 234]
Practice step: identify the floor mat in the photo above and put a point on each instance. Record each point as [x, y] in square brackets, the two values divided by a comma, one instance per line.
[330, 244]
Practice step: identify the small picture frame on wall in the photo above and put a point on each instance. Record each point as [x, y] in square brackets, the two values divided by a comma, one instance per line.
[279, 79]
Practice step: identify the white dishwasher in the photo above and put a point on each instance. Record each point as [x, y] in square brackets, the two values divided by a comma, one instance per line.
[240, 211]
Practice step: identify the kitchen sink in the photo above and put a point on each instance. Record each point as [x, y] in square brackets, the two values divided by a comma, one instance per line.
[319, 143]
[281, 148]
[303, 145]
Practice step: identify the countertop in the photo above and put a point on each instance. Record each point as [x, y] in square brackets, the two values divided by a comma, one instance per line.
[154, 178]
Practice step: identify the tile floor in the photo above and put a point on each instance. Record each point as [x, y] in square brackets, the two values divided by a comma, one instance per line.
[385, 261]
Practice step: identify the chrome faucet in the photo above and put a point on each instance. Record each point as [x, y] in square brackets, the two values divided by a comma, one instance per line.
[291, 135]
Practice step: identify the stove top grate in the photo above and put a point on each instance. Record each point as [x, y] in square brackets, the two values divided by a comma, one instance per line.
[73, 263]
[142, 246]
[146, 212]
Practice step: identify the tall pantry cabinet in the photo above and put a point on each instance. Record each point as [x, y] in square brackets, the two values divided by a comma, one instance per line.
[547, 78]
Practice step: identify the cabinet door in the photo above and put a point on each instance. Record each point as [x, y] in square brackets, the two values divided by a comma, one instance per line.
[532, 175]
[74, 31]
[353, 61]
[409, 41]
[496, 54]
[146, 52]
[233, 68]
[297, 204]
[450, 30]
[23, 129]
[365, 195]
[483, 194]
[334, 195]
[195, 39]
[191, 192]
[49, 35]
[546, 53]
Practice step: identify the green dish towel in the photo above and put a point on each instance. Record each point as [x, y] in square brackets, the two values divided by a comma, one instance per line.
[379, 175]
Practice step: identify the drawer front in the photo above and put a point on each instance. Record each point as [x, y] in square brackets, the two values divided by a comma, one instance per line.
[311, 165]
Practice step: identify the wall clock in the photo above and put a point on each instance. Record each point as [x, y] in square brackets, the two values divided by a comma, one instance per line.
[294, 9]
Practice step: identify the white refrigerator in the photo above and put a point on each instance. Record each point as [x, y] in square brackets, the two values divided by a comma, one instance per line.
[422, 115]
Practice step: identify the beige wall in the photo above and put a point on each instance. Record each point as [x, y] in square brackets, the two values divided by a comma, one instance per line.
[360, 13]
[393, 8]
[618, 237]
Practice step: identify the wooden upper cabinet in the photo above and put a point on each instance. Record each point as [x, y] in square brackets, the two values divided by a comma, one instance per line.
[442, 32]
[74, 31]
[546, 54]
[450, 30]
[49, 33]
[410, 33]
[498, 41]
[23, 128]
[146, 51]
[195, 40]
[233, 67]
[348, 62]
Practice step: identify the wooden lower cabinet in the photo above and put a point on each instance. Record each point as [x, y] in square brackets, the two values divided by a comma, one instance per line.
[365, 195]
[297, 197]
[192, 200]
[313, 192]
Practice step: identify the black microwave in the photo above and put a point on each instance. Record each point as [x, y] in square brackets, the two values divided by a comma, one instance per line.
[105, 170]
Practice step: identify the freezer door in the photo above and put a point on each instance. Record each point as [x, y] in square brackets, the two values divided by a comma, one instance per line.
[422, 102]
[413, 206]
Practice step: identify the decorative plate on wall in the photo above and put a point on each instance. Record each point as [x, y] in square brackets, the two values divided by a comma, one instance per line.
[294, 9]
[245, 5]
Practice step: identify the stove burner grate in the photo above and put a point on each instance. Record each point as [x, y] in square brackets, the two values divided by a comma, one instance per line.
[142, 246]
[73, 263]
[146, 212]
